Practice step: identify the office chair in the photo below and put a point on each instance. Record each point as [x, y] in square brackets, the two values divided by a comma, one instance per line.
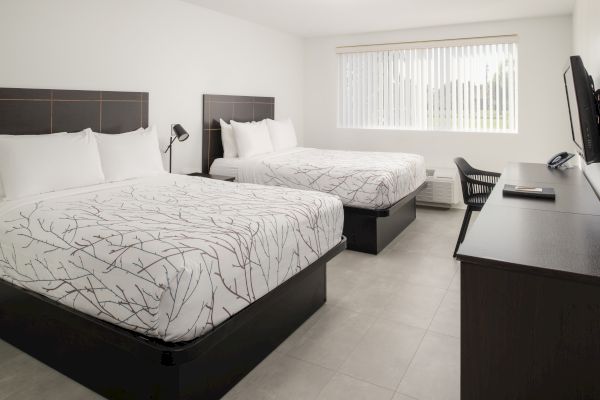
[477, 186]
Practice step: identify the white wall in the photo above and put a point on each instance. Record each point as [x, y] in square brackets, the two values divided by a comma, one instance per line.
[178, 51]
[174, 50]
[544, 47]
[586, 35]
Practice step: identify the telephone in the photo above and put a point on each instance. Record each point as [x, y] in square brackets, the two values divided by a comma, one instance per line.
[559, 159]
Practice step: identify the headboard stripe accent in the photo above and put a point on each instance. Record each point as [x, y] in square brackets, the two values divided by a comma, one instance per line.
[100, 122]
[52, 111]
[237, 108]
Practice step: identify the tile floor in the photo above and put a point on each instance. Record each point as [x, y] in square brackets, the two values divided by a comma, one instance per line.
[390, 330]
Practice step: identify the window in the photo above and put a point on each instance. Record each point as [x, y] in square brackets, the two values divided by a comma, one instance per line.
[454, 85]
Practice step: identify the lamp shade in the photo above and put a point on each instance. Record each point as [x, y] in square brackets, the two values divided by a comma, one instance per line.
[180, 133]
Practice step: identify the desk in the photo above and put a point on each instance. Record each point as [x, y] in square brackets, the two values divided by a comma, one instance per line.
[530, 292]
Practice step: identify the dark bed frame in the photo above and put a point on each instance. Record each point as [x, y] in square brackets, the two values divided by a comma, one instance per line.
[367, 231]
[115, 362]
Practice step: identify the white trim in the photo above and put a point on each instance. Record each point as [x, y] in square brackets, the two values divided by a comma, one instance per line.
[364, 48]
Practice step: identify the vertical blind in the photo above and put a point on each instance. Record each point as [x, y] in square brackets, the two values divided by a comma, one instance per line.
[454, 85]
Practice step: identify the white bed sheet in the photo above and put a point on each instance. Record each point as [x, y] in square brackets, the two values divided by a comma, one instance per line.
[372, 180]
[169, 256]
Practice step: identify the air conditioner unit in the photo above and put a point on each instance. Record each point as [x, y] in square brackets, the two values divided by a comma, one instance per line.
[442, 188]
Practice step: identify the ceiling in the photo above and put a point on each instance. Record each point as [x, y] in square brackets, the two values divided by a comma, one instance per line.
[309, 18]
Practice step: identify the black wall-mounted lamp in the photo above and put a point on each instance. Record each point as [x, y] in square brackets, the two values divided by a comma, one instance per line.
[177, 132]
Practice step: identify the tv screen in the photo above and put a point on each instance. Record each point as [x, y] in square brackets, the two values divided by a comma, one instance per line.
[583, 110]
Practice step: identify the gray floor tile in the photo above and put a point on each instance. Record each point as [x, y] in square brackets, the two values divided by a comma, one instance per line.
[430, 234]
[434, 373]
[332, 338]
[7, 351]
[342, 281]
[24, 378]
[425, 270]
[455, 285]
[283, 377]
[370, 297]
[343, 387]
[447, 318]
[400, 396]
[414, 304]
[384, 353]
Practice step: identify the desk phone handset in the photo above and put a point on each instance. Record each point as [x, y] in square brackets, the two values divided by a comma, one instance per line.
[559, 159]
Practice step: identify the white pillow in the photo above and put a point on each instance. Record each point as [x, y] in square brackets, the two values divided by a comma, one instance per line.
[130, 155]
[8, 137]
[252, 138]
[283, 135]
[34, 164]
[229, 147]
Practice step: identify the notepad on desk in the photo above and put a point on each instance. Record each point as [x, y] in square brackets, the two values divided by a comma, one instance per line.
[537, 192]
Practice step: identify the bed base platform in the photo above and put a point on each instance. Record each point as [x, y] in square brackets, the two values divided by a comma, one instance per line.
[370, 231]
[120, 364]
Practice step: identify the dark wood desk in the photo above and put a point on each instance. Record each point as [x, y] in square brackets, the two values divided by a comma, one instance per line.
[530, 292]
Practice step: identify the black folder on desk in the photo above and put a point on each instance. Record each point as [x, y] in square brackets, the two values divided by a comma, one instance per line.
[529, 191]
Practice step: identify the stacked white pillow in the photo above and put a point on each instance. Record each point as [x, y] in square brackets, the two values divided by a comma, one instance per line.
[229, 146]
[247, 139]
[283, 134]
[34, 164]
[252, 138]
[130, 155]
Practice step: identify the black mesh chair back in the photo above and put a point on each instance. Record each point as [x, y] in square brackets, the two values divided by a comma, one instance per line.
[477, 185]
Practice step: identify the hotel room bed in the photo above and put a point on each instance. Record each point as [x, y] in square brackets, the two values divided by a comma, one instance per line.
[370, 180]
[378, 189]
[164, 287]
[170, 256]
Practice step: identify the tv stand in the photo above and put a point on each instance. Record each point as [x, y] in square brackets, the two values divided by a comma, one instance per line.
[530, 291]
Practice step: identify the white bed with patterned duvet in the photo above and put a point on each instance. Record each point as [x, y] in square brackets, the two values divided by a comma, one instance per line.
[169, 256]
[371, 180]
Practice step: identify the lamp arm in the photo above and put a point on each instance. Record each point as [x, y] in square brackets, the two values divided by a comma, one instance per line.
[170, 144]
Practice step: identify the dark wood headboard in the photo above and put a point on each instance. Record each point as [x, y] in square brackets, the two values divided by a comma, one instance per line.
[44, 111]
[237, 108]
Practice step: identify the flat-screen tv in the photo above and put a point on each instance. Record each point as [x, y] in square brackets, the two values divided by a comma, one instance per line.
[583, 110]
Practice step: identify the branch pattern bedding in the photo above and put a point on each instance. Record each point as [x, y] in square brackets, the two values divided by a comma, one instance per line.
[373, 180]
[170, 256]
